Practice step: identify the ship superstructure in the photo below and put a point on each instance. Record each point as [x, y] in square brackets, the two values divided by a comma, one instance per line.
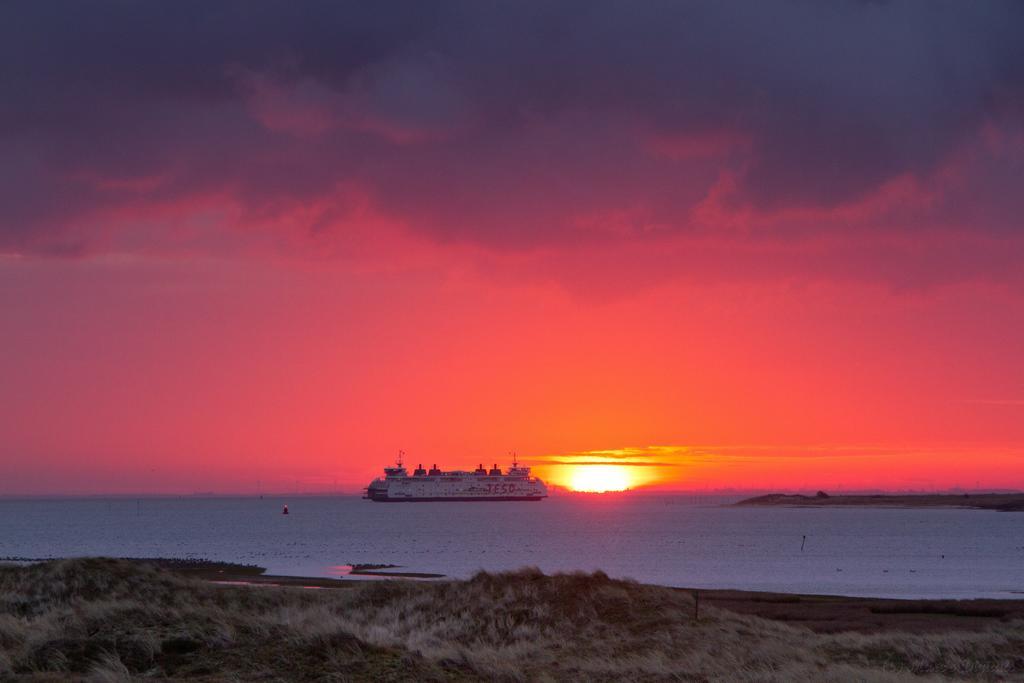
[397, 485]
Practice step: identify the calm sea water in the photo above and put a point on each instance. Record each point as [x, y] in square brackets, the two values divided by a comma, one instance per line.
[663, 540]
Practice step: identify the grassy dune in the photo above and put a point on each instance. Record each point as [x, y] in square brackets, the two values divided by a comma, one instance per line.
[110, 620]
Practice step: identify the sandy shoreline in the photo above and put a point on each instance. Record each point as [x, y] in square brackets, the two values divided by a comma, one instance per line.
[819, 613]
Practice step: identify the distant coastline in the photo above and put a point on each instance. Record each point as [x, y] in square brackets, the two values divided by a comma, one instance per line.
[1003, 502]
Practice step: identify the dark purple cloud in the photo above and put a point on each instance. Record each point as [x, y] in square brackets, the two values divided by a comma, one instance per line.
[504, 123]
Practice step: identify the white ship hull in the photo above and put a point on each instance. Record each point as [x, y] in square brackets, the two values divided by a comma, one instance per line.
[399, 487]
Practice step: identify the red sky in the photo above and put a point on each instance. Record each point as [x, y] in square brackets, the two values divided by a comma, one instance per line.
[193, 374]
[580, 234]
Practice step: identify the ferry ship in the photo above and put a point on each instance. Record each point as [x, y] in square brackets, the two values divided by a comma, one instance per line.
[397, 485]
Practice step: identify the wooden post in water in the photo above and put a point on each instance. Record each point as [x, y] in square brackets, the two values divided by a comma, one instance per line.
[802, 543]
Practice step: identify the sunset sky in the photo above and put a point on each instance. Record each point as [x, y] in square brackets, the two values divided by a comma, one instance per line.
[756, 245]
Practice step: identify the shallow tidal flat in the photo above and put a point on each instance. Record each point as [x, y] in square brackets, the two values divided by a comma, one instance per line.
[115, 619]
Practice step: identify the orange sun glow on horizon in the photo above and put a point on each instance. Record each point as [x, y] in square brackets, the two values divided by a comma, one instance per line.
[599, 478]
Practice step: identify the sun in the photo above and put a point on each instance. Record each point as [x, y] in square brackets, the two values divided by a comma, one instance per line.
[599, 478]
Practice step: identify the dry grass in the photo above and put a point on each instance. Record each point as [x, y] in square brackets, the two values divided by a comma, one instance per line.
[110, 620]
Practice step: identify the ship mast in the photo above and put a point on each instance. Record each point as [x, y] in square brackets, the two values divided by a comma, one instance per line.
[400, 454]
